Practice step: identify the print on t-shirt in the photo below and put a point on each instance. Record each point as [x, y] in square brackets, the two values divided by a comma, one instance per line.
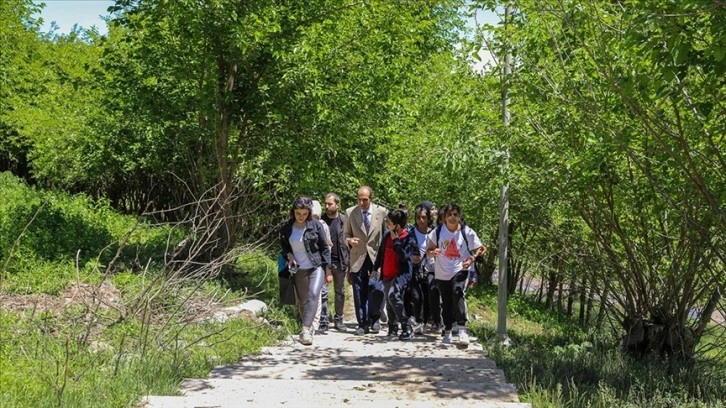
[452, 250]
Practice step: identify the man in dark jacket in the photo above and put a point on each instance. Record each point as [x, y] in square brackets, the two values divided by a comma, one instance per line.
[339, 254]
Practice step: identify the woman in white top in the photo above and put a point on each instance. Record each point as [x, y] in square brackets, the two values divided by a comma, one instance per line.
[305, 245]
[454, 246]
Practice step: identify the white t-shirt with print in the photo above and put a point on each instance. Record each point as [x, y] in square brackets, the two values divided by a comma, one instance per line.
[453, 250]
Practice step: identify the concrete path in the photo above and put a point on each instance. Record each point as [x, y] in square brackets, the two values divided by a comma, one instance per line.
[344, 370]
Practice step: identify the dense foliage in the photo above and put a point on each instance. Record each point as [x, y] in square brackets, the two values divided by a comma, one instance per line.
[213, 115]
[627, 147]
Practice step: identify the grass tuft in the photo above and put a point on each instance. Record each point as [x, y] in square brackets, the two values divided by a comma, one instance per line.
[556, 363]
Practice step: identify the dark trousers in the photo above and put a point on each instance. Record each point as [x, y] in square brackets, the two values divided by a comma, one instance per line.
[339, 288]
[434, 299]
[359, 282]
[324, 312]
[396, 306]
[392, 292]
[453, 299]
[417, 297]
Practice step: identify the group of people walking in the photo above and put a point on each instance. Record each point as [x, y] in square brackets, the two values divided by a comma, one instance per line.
[412, 277]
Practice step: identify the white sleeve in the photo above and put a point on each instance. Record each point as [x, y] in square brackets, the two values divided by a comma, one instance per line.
[431, 238]
[472, 239]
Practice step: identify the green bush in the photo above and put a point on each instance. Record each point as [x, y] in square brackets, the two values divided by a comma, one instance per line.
[255, 273]
[53, 226]
[39, 229]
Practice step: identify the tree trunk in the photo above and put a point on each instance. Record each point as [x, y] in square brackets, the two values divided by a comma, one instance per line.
[571, 293]
[590, 296]
[552, 283]
[540, 290]
[708, 310]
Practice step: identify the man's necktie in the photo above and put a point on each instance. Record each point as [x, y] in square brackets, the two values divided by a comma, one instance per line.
[366, 221]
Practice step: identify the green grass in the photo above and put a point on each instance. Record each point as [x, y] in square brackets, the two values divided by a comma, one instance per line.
[61, 358]
[555, 363]
[137, 341]
[44, 364]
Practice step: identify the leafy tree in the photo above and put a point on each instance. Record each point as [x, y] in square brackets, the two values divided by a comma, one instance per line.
[618, 102]
[17, 38]
[248, 104]
[44, 128]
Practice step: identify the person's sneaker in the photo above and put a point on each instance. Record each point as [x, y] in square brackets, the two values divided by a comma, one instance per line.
[339, 326]
[434, 328]
[406, 335]
[360, 331]
[447, 337]
[416, 327]
[463, 337]
[306, 338]
[323, 328]
[376, 327]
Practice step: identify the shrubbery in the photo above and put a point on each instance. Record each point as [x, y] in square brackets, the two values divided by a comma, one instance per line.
[57, 235]
[136, 331]
[556, 363]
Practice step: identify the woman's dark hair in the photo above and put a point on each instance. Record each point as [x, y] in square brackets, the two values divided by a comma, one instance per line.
[452, 207]
[427, 211]
[398, 217]
[302, 202]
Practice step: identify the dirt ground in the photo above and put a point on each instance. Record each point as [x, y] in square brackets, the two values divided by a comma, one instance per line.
[106, 295]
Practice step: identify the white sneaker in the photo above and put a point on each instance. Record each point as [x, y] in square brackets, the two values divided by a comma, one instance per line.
[434, 328]
[306, 338]
[447, 337]
[416, 327]
[463, 337]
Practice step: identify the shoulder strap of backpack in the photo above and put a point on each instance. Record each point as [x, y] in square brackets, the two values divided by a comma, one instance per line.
[466, 240]
[463, 233]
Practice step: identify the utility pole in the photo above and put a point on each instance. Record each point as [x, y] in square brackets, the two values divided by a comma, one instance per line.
[502, 338]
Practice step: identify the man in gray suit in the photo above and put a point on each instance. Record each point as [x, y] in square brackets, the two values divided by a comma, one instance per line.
[363, 233]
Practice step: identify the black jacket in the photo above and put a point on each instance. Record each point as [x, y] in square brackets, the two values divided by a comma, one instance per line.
[314, 239]
[339, 253]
